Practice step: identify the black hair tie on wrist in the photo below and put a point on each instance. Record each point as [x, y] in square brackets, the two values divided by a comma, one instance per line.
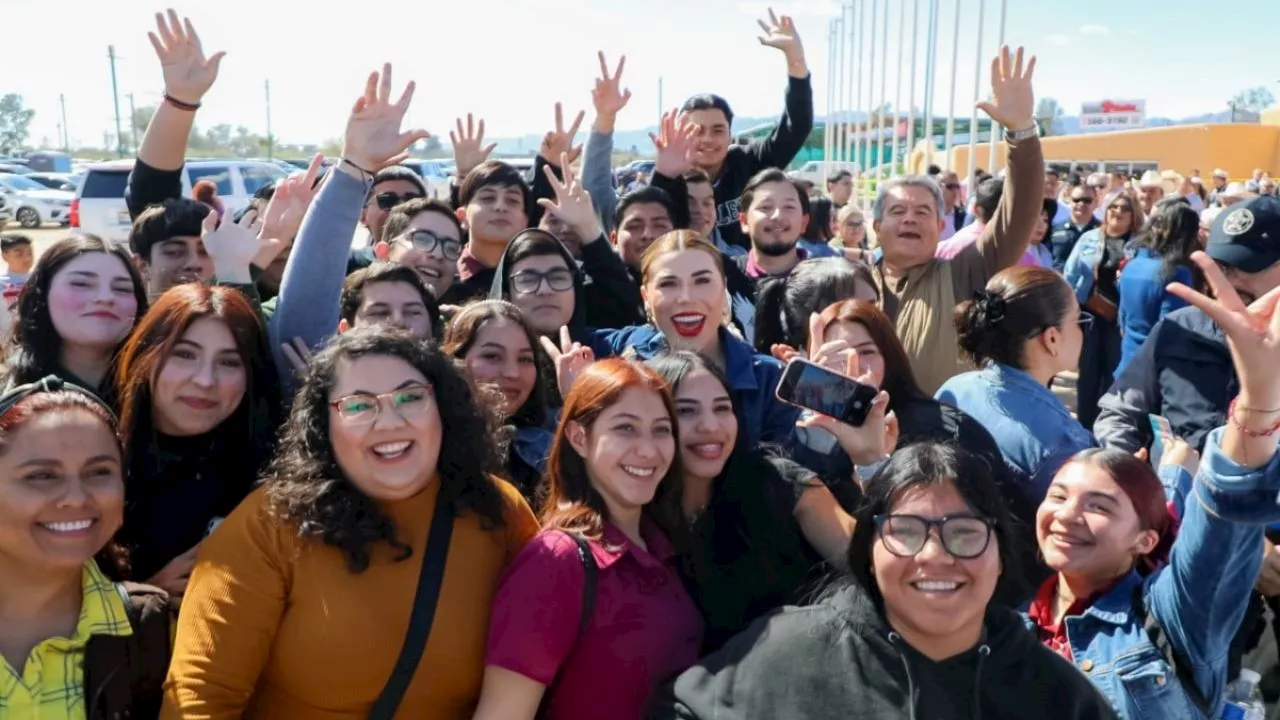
[992, 305]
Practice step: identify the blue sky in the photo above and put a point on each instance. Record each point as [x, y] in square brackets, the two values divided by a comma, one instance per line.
[509, 60]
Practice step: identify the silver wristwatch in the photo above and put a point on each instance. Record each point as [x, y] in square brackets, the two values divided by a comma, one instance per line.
[1023, 134]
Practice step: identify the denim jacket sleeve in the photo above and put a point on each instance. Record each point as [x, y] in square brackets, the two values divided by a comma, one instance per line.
[1078, 269]
[1201, 596]
[597, 159]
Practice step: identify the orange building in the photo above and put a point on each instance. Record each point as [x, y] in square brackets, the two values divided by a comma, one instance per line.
[1237, 148]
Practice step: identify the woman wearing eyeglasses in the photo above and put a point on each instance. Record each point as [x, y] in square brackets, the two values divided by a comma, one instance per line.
[380, 507]
[1023, 329]
[914, 634]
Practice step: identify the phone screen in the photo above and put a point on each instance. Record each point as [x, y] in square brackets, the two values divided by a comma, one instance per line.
[816, 388]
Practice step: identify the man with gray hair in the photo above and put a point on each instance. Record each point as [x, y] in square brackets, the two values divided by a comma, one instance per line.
[918, 291]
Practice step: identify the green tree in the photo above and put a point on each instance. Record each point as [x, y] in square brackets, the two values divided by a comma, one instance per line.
[1255, 99]
[15, 122]
[1049, 116]
[142, 118]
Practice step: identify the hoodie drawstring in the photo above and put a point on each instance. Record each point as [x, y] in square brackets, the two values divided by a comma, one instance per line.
[983, 652]
[911, 686]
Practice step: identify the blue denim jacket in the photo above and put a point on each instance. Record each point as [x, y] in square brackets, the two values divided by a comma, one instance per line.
[1084, 257]
[1032, 427]
[753, 380]
[1199, 598]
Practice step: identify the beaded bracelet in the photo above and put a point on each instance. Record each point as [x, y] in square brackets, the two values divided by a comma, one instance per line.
[1231, 416]
[181, 105]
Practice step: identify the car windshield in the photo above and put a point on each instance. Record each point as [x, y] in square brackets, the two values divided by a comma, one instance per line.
[17, 182]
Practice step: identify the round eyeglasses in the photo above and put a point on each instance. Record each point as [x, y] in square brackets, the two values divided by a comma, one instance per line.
[409, 402]
[964, 537]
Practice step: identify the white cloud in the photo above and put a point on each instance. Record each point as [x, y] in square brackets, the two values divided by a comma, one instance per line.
[1061, 40]
[1095, 30]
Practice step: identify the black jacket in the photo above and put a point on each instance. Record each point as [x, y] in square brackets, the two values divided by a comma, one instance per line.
[1183, 371]
[839, 659]
[777, 150]
[124, 675]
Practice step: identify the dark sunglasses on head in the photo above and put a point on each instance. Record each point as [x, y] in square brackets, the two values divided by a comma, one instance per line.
[388, 200]
[952, 186]
[427, 241]
[527, 282]
[964, 537]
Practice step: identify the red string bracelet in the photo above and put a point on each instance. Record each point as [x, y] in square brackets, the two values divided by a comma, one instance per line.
[1231, 416]
[181, 105]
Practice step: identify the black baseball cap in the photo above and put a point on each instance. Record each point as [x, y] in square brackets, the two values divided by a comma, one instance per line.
[1246, 236]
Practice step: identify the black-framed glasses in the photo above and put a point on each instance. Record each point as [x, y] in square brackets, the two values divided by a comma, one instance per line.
[427, 241]
[952, 186]
[409, 402]
[1078, 200]
[964, 537]
[388, 200]
[527, 282]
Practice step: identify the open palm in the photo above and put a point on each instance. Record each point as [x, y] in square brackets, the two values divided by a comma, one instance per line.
[188, 74]
[1012, 99]
[373, 139]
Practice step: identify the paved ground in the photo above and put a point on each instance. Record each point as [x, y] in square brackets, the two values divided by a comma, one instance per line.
[1064, 387]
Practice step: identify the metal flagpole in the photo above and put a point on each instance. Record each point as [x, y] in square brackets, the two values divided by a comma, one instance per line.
[897, 97]
[827, 130]
[859, 156]
[842, 70]
[884, 95]
[996, 131]
[977, 90]
[872, 161]
[911, 92]
[930, 81]
[951, 105]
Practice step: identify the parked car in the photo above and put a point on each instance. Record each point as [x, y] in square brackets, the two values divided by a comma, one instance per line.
[33, 203]
[434, 173]
[57, 180]
[6, 211]
[15, 169]
[99, 204]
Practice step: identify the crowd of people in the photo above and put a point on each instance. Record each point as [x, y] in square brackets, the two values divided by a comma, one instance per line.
[357, 452]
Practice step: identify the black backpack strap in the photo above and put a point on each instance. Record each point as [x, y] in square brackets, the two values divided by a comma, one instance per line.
[590, 572]
[1171, 654]
[424, 612]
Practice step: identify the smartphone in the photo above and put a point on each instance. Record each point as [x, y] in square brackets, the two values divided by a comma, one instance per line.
[816, 388]
[1161, 434]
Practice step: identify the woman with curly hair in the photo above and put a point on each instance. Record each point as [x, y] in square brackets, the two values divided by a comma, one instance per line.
[300, 604]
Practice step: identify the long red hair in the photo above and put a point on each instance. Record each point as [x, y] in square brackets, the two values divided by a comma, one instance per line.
[573, 505]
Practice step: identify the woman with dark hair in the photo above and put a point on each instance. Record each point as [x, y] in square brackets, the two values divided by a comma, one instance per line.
[198, 409]
[915, 634]
[80, 302]
[72, 642]
[1148, 617]
[1162, 255]
[500, 352]
[1092, 270]
[1022, 330]
[785, 304]
[592, 613]
[821, 228]
[761, 525]
[1039, 250]
[301, 601]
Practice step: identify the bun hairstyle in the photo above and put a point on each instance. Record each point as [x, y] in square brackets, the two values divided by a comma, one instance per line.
[205, 192]
[1017, 304]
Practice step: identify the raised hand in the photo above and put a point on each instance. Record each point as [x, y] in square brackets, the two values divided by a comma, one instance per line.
[298, 355]
[283, 215]
[1013, 100]
[608, 95]
[188, 74]
[373, 138]
[781, 33]
[676, 143]
[469, 149]
[1253, 334]
[232, 247]
[572, 203]
[559, 142]
[569, 358]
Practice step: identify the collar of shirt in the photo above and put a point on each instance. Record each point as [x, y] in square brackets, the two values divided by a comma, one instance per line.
[755, 271]
[615, 544]
[469, 265]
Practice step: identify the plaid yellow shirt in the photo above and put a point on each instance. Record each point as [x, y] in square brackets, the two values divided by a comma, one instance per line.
[51, 684]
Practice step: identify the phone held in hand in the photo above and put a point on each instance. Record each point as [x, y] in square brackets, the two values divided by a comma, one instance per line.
[813, 387]
[1162, 435]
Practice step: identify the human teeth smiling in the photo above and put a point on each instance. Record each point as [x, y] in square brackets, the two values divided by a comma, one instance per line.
[638, 471]
[689, 324]
[935, 585]
[391, 449]
[68, 527]
[709, 451]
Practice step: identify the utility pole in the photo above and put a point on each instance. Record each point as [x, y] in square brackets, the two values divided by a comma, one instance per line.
[271, 140]
[115, 97]
[133, 123]
[661, 108]
[66, 134]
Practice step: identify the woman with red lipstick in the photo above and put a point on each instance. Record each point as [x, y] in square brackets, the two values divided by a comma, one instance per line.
[1150, 618]
[592, 614]
[198, 411]
[685, 300]
[78, 306]
[761, 525]
[72, 642]
[500, 351]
